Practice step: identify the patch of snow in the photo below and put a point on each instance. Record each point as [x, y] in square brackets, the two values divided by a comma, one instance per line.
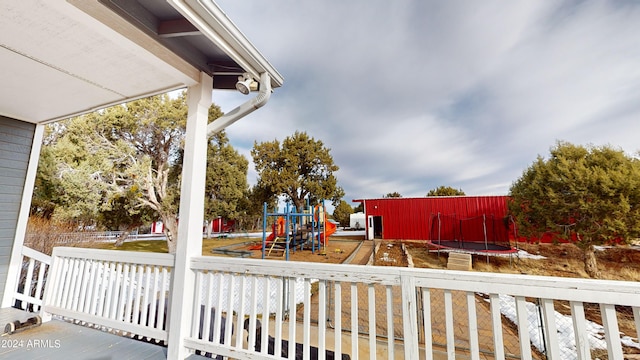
[564, 325]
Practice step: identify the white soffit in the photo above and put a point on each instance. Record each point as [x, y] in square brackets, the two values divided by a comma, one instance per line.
[57, 61]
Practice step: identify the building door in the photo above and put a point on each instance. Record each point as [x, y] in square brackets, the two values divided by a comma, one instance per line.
[377, 227]
[370, 228]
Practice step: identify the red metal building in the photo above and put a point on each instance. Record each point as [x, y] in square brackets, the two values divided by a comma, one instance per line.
[417, 218]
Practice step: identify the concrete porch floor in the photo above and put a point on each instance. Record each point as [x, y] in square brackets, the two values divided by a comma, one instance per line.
[62, 340]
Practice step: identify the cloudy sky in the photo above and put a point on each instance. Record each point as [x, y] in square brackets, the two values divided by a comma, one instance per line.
[411, 95]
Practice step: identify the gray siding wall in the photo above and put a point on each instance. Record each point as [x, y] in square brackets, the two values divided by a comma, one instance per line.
[16, 138]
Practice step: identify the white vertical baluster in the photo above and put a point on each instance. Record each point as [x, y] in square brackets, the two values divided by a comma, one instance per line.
[145, 295]
[551, 329]
[372, 321]
[240, 319]
[109, 294]
[292, 317]
[496, 323]
[354, 321]
[279, 315]
[523, 327]
[230, 298]
[155, 311]
[611, 330]
[579, 329]
[306, 319]
[68, 275]
[124, 287]
[115, 292]
[426, 315]
[218, 314]
[322, 318]
[28, 280]
[79, 280]
[40, 284]
[195, 316]
[266, 310]
[337, 318]
[207, 323]
[138, 297]
[131, 300]
[474, 346]
[103, 279]
[253, 312]
[390, 329]
[450, 334]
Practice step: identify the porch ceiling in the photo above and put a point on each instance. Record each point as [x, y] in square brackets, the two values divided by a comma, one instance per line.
[63, 58]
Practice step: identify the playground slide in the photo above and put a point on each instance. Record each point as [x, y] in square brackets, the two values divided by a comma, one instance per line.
[279, 227]
[330, 228]
[278, 231]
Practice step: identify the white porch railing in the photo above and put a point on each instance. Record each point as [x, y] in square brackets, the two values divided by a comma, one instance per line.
[119, 290]
[392, 312]
[468, 313]
[31, 279]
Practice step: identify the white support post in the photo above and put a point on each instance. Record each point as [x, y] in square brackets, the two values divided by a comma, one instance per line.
[15, 265]
[191, 216]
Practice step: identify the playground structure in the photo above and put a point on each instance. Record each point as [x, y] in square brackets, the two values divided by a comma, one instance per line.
[476, 235]
[293, 229]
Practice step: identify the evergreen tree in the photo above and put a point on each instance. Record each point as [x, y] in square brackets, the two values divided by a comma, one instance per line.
[445, 191]
[342, 213]
[299, 168]
[590, 194]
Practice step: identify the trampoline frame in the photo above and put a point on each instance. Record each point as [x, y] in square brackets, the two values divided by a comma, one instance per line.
[471, 247]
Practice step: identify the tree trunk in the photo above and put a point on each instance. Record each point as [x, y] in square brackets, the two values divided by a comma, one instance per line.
[120, 240]
[126, 231]
[171, 231]
[590, 262]
[209, 225]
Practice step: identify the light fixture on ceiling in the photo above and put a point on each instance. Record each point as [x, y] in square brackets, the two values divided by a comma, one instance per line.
[245, 83]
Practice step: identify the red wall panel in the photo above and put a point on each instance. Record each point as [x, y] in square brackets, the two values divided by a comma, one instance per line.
[412, 218]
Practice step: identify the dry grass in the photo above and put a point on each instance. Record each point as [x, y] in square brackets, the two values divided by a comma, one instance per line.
[42, 234]
[562, 260]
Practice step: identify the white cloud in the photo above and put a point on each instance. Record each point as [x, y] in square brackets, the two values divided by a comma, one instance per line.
[410, 95]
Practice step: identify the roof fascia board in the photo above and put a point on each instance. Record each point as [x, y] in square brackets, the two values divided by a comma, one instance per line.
[217, 27]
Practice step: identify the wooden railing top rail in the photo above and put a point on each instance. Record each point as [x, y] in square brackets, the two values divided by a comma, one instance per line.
[138, 257]
[332, 272]
[572, 289]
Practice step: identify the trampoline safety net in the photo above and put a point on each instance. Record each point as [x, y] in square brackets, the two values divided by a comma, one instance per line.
[483, 232]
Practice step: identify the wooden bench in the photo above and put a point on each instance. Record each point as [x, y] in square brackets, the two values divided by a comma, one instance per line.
[459, 261]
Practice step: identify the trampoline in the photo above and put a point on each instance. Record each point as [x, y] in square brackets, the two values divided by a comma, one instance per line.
[483, 234]
[473, 247]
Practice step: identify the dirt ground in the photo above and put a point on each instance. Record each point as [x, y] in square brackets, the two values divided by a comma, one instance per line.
[562, 260]
[337, 250]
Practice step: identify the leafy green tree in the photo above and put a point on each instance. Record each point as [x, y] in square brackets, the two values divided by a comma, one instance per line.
[587, 193]
[226, 184]
[122, 212]
[359, 208]
[118, 155]
[394, 194]
[139, 143]
[299, 168]
[46, 186]
[67, 186]
[445, 191]
[341, 213]
[253, 205]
